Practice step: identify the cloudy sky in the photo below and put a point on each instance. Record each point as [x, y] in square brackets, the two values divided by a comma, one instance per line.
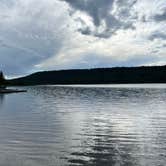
[63, 34]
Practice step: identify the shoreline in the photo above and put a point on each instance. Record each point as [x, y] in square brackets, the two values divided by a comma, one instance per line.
[3, 91]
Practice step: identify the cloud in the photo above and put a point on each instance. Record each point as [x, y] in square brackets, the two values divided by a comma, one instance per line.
[61, 34]
[158, 35]
[107, 16]
[161, 17]
[31, 32]
[90, 52]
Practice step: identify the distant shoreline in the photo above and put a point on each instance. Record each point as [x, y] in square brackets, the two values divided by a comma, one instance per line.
[116, 75]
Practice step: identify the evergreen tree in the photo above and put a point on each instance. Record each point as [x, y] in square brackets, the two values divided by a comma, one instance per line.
[2, 79]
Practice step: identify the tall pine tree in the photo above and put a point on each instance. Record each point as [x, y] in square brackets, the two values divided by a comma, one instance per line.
[2, 80]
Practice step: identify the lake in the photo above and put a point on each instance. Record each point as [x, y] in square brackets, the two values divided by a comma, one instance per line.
[93, 125]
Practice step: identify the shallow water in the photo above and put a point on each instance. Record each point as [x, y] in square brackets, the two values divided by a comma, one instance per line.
[115, 125]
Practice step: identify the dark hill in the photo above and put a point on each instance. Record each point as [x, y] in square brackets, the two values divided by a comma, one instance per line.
[117, 75]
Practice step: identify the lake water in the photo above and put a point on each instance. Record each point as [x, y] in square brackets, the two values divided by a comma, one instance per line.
[105, 125]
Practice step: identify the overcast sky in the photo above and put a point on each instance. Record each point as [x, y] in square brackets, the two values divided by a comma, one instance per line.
[63, 34]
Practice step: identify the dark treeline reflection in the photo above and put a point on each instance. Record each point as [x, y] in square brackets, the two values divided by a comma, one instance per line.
[2, 97]
[84, 125]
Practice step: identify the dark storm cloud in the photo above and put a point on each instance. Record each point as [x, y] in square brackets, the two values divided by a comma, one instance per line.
[100, 11]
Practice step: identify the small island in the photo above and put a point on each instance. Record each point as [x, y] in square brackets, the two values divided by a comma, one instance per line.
[3, 87]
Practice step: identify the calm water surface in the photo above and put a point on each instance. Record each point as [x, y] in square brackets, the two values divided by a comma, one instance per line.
[117, 125]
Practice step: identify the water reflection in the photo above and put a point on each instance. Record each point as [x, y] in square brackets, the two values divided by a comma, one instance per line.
[53, 125]
[2, 97]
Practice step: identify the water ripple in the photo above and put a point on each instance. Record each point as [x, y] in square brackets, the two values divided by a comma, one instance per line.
[84, 125]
